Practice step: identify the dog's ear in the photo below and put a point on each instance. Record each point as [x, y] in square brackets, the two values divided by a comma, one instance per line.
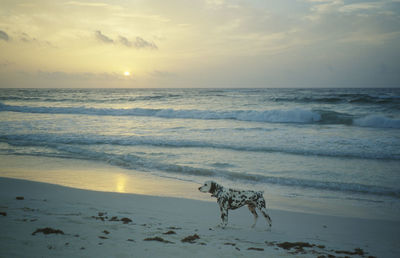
[213, 187]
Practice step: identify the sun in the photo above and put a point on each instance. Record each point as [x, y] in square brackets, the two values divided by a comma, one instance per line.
[127, 73]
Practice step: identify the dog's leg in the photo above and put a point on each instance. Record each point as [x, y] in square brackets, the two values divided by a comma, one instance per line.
[252, 209]
[224, 217]
[224, 214]
[264, 212]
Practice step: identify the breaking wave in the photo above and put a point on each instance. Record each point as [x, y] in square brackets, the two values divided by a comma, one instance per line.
[55, 141]
[295, 115]
[131, 161]
[273, 116]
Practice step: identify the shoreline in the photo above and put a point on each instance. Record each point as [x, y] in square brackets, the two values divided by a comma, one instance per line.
[91, 175]
[85, 218]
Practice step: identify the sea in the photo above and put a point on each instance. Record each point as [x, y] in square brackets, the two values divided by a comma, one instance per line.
[335, 151]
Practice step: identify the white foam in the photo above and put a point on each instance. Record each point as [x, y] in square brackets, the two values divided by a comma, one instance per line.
[295, 115]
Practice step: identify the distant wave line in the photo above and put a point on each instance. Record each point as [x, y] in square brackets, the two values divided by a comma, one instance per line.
[295, 115]
[55, 141]
[341, 98]
[90, 100]
[279, 116]
[350, 98]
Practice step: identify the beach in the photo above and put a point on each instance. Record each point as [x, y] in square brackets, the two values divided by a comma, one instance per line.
[116, 172]
[105, 224]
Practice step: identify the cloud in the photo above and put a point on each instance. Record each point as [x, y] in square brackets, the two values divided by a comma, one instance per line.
[138, 43]
[27, 39]
[79, 76]
[161, 74]
[124, 41]
[4, 36]
[141, 43]
[361, 7]
[103, 38]
[87, 4]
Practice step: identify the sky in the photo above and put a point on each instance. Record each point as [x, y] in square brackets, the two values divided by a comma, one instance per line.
[199, 43]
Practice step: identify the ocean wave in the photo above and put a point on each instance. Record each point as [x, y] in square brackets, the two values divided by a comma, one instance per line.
[57, 140]
[315, 184]
[275, 180]
[377, 121]
[86, 99]
[295, 115]
[332, 117]
[309, 99]
[130, 161]
[341, 98]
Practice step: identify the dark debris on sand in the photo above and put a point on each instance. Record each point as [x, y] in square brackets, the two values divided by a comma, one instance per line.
[102, 216]
[295, 245]
[175, 228]
[190, 239]
[126, 220]
[171, 232]
[357, 251]
[47, 231]
[115, 218]
[298, 247]
[232, 244]
[158, 239]
[255, 249]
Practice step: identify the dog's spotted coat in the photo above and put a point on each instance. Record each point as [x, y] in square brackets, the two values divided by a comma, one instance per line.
[230, 199]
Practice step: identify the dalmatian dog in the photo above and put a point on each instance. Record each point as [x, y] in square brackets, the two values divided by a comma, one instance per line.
[230, 199]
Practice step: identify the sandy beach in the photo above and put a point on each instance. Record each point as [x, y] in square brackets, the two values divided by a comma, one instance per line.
[46, 220]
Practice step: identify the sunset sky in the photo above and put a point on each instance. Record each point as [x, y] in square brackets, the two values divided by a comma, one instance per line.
[200, 43]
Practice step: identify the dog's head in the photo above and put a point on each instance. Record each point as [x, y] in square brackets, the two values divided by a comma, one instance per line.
[208, 187]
